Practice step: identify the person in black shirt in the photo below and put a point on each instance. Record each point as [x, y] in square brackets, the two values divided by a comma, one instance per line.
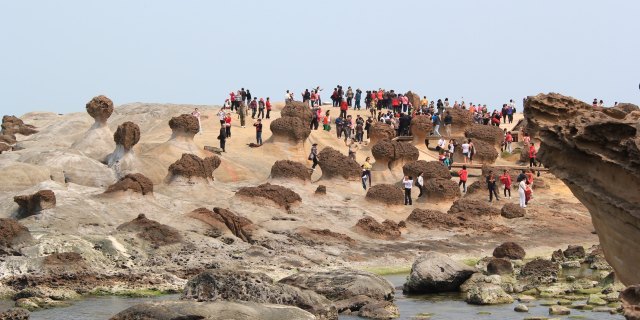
[491, 184]
[258, 126]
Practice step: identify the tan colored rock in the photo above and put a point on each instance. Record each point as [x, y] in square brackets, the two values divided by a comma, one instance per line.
[630, 298]
[156, 233]
[391, 155]
[420, 128]
[13, 235]
[184, 125]
[287, 169]
[12, 125]
[240, 227]
[100, 108]
[387, 230]
[334, 164]
[461, 120]
[380, 131]
[385, 194]
[135, 182]
[34, 203]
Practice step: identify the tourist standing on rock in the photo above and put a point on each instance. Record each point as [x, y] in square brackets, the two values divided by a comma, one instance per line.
[508, 139]
[448, 120]
[222, 137]
[326, 122]
[436, 124]
[530, 176]
[347, 125]
[287, 97]
[258, 126]
[463, 174]
[420, 183]
[451, 148]
[522, 188]
[465, 150]
[343, 109]
[491, 184]
[366, 167]
[261, 109]
[313, 156]
[408, 184]
[313, 125]
[353, 147]
[505, 179]
[268, 106]
[504, 110]
[440, 107]
[358, 97]
[532, 155]
[227, 125]
[196, 114]
[472, 151]
[349, 96]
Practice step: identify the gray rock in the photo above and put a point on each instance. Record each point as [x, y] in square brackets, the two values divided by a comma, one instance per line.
[15, 314]
[559, 311]
[573, 264]
[521, 308]
[219, 310]
[380, 310]
[487, 293]
[435, 272]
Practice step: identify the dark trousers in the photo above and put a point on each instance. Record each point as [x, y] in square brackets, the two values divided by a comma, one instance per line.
[507, 190]
[359, 136]
[349, 101]
[228, 131]
[253, 113]
[339, 131]
[357, 104]
[420, 194]
[407, 196]
[315, 162]
[463, 184]
[222, 143]
[492, 192]
[261, 113]
[343, 114]
[368, 173]
[314, 124]
[259, 137]
[532, 162]
[268, 114]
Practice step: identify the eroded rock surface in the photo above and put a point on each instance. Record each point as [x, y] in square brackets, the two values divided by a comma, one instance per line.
[184, 124]
[127, 135]
[391, 154]
[135, 182]
[429, 169]
[287, 169]
[12, 125]
[13, 236]
[293, 124]
[490, 134]
[334, 164]
[387, 230]
[280, 195]
[380, 131]
[156, 233]
[587, 148]
[192, 166]
[421, 127]
[385, 194]
[240, 227]
[439, 189]
[100, 108]
[510, 250]
[34, 203]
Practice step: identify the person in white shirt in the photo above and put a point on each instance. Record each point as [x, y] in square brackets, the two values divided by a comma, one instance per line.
[522, 187]
[196, 114]
[408, 184]
[221, 114]
[441, 144]
[465, 151]
[420, 183]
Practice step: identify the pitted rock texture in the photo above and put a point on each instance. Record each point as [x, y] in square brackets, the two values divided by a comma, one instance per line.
[5, 147]
[414, 99]
[156, 233]
[499, 266]
[512, 211]
[486, 153]
[421, 127]
[387, 230]
[184, 124]
[461, 120]
[288, 169]
[15, 314]
[13, 235]
[433, 219]
[429, 169]
[297, 109]
[490, 134]
[385, 194]
[127, 135]
[441, 189]
[543, 271]
[509, 250]
[334, 164]
[240, 227]
[135, 182]
[100, 108]
[34, 203]
[280, 195]
[630, 298]
[12, 125]
[585, 148]
[291, 128]
[473, 207]
[191, 165]
[380, 131]
[394, 153]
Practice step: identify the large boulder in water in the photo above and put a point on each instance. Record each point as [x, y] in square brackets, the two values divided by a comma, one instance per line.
[391, 154]
[429, 170]
[235, 285]
[585, 147]
[630, 298]
[136, 182]
[191, 166]
[380, 131]
[336, 165]
[287, 169]
[434, 272]
[281, 196]
[100, 108]
[385, 194]
[487, 294]
[35, 203]
[540, 271]
[218, 310]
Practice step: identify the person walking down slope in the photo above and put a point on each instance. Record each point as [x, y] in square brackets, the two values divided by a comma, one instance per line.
[258, 126]
[491, 184]
[505, 179]
[420, 184]
[313, 156]
[463, 174]
[408, 184]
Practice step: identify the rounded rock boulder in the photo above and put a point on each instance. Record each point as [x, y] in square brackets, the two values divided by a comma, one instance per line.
[135, 182]
[334, 164]
[386, 194]
[100, 108]
[490, 134]
[380, 131]
[184, 124]
[509, 250]
[441, 189]
[429, 169]
[287, 169]
[291, 128]
[191, 165]
[127, 135]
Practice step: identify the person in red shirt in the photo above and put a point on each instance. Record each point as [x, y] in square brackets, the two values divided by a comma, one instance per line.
[505, 179]
[227, 125]
[463, 174]
[395, 103]
[532, 155]
[258, 126]
[508, 139]
[268, 105]
[343, 109]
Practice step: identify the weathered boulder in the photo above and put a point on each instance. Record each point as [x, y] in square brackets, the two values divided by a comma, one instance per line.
[336, 165]
[485, 152]
[127, 135]
[321, 190]
[432, 219]
[135, 182]
[218, 310]
[290, 128]
[489, 134]
[13, 236]
[5, 147]
[287, 169]
[156, 233]
[461, 120]
[15, 314]
[441, 190]
[487, 293]
[100, 108]
[509, 250]
[540, 271]
[385, 193]
[512, 211]
[280, 195]
[499, 266]
[414, 99]
[184, 125]
[380, 310]
[380, 131]
[387, 230]
[585, 147]
[35, 203]
[559, 311]
[391, 154]
[435, 272]
[8, 139]
[191, 166]
[421, 127]
[235, 285]
[429, 170]
[574, 253]
[297, 109]
[630, 298]
[240, 227]
[12, 125]
[473, 207]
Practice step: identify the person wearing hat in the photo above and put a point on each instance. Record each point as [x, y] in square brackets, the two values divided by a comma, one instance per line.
[313, 156]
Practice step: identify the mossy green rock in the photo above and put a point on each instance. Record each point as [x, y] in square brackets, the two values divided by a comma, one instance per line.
[596, 300]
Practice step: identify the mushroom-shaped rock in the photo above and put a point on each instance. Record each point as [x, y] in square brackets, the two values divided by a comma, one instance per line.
[287, 169]
[127, 135]
[13, 235]
[461, 119]
[156, 233]
[441, 189]
[191, 166]
[100, 108]
[512, 210]
[586, 147]
[291, 129]
[240, 227]
[414, 99]
[386, 194]
[391, 154]
[509, 250]
[12, 125]
[421, 127]
[35, 203]
[485, 153]
[429, 169]
[489, 134]
[380, 131]
[280, 195]
[434, 272]
[336, 165]
[387, 230]
[297, 109]
[235, 285]
[473, 207]
[630, 298]
[184, 125]
[135, 182]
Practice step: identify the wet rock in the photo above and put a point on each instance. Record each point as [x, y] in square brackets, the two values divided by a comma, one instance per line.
[540, 271]
[191, 166]
[280, 195]
[500, 266]
[15, 314]
[521, 308]
[557, 256]
[391, 154]
[35, 303]
[380, 310]
[487, 293]
[574, 253]
[429, 169]
[156, 233]
[630, 298]
[287, 169]
[435, 272]
[127, 135]
[235, 285]
[509, 250]
[321, 190]
[559, 311]
[571, 265]
[100, 108]
[387, 230]
[35, 203]
[512, 211]
[380, 131]
[386, 194]
[336, 165]
[184, 125]
[13, 236]
[218, 310]
[596, 300]
[441, 189]
[135, 182]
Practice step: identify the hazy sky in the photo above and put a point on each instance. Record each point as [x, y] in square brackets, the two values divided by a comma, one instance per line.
[57, 55]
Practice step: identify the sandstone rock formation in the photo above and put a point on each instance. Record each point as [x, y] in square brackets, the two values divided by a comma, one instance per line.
[127, 135]
[135, 182]
[461, 120]
[97, 142]
[512, 211]
[299, 110]
[385, 194]
[420, 128]
[35, 203]
[13, 236]
[100, 108]
[156, 233]
[234, 285]
[414, 99]
[281, 196]
[240, 227]
[473, 207]
[440, 190]
[334, 164]
[510, 250]
[380, 131]
[5, 147]
[287, 169]
[486, 153]
[322, 236]
[489, 134]
[387, 230]
[432, 219]
[191, 166]
[500, 266]
[585, 148]
[391, 155]
[321, 190]
[540, 271]
[12, 125]
[429, 169]
[487, 294]
[293, 124]
[630, 298]
[184, 125]
[435, 272]
[8, 139]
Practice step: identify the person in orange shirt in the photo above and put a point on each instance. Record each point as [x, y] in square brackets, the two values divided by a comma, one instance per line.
[463, 174]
